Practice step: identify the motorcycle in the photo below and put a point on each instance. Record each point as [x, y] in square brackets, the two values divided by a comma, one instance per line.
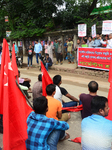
[19, 61]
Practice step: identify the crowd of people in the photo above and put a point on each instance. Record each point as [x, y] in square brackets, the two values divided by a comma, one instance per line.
[47, 124]
[70, 51]
[62, 52]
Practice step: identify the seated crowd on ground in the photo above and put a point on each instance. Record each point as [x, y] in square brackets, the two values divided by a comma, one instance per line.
[47, 123]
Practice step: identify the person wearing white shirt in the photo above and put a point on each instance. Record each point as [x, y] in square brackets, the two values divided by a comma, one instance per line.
[108, 42]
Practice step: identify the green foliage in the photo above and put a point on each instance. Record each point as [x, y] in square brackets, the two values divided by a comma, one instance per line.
[30, 18]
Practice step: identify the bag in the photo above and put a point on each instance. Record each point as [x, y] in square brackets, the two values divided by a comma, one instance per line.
[1, 123]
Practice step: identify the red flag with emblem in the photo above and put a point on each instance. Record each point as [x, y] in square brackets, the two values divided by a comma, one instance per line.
[46, 79]
[14, 106]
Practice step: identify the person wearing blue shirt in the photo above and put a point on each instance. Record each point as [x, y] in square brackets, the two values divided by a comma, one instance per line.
[40, 127]
[16, 49]
[96, 129]
[37, 50]
[97, 42]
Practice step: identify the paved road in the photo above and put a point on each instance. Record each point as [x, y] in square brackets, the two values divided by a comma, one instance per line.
[75, 85]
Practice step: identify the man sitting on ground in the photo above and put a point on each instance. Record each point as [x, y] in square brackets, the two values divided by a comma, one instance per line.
[62, 91]
[24, 81]
[40, 127]
[48, 62]
[86, 98]
[54, 106]
[37, 88]
[96, 129]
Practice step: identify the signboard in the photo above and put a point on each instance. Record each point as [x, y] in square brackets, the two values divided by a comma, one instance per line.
[6, 19]
[82, 30]
[8, 33]
[19, 43]
[96, 58]
[107, 27]
[93, 31]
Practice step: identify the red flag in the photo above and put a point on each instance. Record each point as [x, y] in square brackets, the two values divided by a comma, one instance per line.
[73, 109]
[46, 79]
[15, 108]
[14, 64]
[76, 140]
[109, 117]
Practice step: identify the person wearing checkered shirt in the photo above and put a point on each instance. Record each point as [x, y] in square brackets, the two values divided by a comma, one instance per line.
[40, 127]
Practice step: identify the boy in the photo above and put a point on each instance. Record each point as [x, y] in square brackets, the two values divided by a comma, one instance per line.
[40, 127]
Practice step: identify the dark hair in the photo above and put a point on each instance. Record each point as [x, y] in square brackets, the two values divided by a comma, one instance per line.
[93, 86]
[97, 103]
[36, 40]
[90, 37]
[56, 79]
[50, 89]
[18, 71]
[98, 33]
[85, 40]
[40, 105]
[47, 54]
[40, 77]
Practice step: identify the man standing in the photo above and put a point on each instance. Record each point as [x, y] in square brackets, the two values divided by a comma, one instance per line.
[108, 42]
[69, 49]
[96, 129]
[16, 49]
[87, 98]
[50, 48]
[56, 49]
[59, 53]
[37, 50]
[90, 41]
[65, 47]
[40, 128]
[97, 42]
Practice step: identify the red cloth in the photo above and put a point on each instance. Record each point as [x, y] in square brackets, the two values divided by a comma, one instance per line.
[76, 140]
[109, 117]
[73, 109]
[110, 72]
[15, 109]
[46, 79]
[14, 64]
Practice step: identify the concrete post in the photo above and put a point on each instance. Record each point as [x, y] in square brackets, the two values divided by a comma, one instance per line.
[23, 45]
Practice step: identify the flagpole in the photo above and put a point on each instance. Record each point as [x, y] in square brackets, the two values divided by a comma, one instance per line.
[24, 95]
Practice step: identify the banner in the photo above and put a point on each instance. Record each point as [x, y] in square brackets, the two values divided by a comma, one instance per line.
[82, 30]
[107, 27]
[93, 31]
[96, 58]
[8, 33]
